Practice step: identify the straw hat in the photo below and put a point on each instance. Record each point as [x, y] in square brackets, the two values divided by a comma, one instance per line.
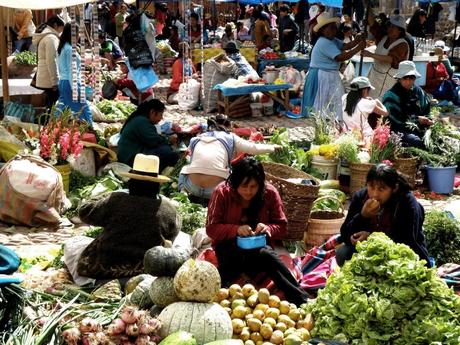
[324, 19]
[146, 168]
[405, 69]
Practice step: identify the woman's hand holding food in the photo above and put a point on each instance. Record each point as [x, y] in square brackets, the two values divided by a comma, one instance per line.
[370, 209]
[359, 237]
[262, 229]
[245, 230]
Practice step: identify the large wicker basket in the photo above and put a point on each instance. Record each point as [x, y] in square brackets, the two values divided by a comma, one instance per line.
[323, 224]
[408, 167]
[297, 198]
[358, 174]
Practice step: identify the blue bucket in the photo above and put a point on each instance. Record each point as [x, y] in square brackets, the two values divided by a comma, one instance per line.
[441, 180]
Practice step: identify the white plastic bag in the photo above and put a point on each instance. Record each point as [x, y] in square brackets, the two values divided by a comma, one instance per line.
[189, 94]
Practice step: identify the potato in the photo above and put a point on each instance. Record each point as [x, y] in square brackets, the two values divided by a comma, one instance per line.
[248, 316]
[281, 326]
[259, 314]
[264, 296]
[266, 331]
[273, 313]
[239, 312]
[252, 300]
[294, 314]
[238, 303]
[233, 289]
[255, 336]
[225, 303]
[262, 307]
[249, 342]
[284, 307]
[248, 290]
[245, 334]
[277, 337]
[222, 294]
[284, 319]
[274, 301]
[303, 334]
[254, 325]
[238, 326]
[270, 321]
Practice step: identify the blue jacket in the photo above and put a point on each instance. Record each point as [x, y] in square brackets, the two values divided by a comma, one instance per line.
[407, 221]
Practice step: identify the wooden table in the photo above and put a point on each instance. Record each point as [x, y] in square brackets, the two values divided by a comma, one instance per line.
[224, 104]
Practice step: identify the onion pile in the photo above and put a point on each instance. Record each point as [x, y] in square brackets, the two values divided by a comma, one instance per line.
[133, 327]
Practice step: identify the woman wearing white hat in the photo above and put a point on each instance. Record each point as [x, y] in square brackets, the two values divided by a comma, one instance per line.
[438, 81]
[357, 106]
[323, 88]
[132, 223]
[392, 48]
[407, 102]
[442, 51]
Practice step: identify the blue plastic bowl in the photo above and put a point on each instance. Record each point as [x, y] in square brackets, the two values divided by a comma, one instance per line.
[251, 242]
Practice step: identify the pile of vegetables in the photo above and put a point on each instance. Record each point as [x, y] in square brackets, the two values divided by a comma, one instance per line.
[26, 58]
[386, 295]
[193, 215]
[81, 191]
[442, 235]
[133, 326]
[115, 110]
[259, 317]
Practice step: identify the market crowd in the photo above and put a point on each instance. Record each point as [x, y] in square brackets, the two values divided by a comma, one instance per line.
[241, 202]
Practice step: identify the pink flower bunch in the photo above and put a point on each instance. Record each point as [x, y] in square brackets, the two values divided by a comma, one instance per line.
[60, 138]
[381, 136]
[387, 162]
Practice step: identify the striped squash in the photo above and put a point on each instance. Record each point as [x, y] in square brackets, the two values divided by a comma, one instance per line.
[206, 321]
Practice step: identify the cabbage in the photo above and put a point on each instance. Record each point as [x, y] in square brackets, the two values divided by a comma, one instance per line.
[386, 295]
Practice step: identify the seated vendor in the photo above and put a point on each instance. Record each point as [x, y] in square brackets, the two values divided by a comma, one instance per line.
[247, 205]
[110, 51]
[128, 87]
[242, 32]
[243, 67]
[181, 70]
[210, 157]
[267, 42]
[405, 102]
[229, 35]
[132, 223]
[438, 74]
[139, 135]
[385, 205]
[358, 107]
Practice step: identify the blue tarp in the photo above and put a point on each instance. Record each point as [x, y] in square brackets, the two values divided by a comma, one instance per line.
[247, 89]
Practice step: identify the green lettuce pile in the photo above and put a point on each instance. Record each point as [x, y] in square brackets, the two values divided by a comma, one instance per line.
[385, 295]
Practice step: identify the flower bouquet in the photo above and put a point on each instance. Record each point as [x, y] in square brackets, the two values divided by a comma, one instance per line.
[58, 141]
[384, 145]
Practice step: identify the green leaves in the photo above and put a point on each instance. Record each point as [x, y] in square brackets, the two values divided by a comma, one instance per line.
[443, 237]
[384, 295]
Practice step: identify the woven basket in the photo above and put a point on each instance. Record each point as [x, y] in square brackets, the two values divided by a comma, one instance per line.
[297, 198]
[323, 224]
[408, 167]
[358, 174]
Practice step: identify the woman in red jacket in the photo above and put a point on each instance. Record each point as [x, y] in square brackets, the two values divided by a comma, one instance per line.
[246, 205]
[438, 82]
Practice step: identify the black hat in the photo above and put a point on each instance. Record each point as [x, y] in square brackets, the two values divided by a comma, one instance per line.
[231, 47]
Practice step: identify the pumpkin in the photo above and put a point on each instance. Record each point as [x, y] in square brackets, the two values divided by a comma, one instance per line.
[206, 321]
[197, 281]
[162, 292]
[165, 260]
[134, 281]
[179, 338]
[140, 296]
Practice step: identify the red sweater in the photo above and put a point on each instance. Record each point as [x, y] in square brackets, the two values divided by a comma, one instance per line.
[434, 75]
[225, 211]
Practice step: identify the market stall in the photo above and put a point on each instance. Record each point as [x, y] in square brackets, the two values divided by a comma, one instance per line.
[269, 90]
[299, 63]
[249, 53]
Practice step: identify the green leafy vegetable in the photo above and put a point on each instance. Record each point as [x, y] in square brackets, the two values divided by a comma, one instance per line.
[385, 295]
[193, 215]
[26, 58]
[443, 237]
[115, 110]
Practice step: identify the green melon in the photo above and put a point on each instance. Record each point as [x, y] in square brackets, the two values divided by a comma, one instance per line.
[179, 338]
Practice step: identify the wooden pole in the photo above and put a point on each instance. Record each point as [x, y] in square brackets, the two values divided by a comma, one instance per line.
[3, 60]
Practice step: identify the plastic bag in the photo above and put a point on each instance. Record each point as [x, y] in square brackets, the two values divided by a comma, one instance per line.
[136, 48]
[189, 94]
[144, 77]
[109, 90]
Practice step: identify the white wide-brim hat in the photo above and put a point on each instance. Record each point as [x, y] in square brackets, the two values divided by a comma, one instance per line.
[146, 168]
[405, 69]
[399, 21]
[441, 44]
[324, 19]
[362, 83]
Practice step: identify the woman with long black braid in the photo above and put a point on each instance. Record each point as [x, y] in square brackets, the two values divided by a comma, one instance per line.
[139, 135]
